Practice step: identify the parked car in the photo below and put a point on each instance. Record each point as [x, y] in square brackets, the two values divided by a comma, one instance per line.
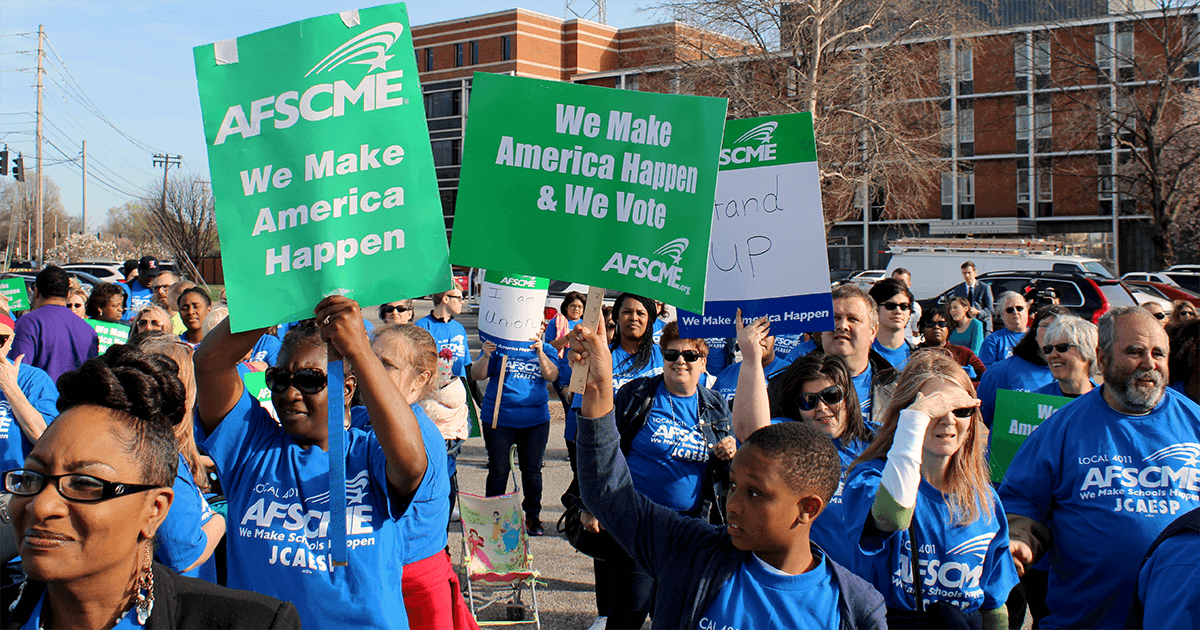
[1146, 297]
[107, 272]
[864, 279]
[1088, 296]
[1169, 292]
[1144, 276]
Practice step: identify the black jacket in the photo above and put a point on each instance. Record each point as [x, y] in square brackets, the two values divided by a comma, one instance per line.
[182, 602]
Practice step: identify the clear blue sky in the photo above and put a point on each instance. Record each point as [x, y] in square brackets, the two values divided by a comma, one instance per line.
[131, 61]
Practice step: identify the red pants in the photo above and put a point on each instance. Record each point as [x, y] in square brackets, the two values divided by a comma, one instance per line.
[433, 597]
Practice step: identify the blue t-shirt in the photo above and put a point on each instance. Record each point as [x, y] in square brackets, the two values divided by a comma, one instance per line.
[659, 325]
[829, 528]
[1162, 584]
[719, 354]
[1054, 389]
[968, 566]
[139, 296]
[898, 357]
[278, 522]
[668, 455]
[761, 596]
[180, 541]
[1106, 484]
[623, 370]
[127, 622]
[801, 349]
[266, 349]
[451, 335]
[1015, 374]
[726, 384]
[998, 346]
[862, 386]
[43, 395]
[785, 344]
[525, 402]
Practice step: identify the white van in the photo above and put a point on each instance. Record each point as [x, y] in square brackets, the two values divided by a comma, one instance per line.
[935, 263]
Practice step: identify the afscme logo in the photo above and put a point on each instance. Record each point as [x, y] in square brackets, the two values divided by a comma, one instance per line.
[653, 270]
[762, 133]
[976, 546]
[764, 152]
[369, 48]
[1186, 452]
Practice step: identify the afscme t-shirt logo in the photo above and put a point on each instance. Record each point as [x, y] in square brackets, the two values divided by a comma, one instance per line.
[367, 48]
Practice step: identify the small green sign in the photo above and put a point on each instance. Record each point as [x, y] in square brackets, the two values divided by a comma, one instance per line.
[14, 289]
[624, 179]
[1017, 415]
[322, 170]
[256, 384]
[110, 334]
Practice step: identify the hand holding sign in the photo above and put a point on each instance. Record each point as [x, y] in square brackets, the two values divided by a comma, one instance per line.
[750, 338]
[589, 352]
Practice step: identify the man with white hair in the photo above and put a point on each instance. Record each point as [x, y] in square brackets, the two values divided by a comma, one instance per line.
[1095, 484]
[1014, 310]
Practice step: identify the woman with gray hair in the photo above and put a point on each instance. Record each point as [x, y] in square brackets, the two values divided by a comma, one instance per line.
[1014, 311]
[1070, 353]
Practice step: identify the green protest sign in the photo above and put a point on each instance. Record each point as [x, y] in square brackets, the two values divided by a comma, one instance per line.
[623, 180]
[1017, 415]
[321, 166]
[110, 334]
[14, 289]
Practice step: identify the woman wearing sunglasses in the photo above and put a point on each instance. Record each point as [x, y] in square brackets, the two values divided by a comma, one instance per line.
[1014, 311]
[816, 389]
[94, 492]
[1070, 353]
[920, 494]
[398, 312]
[935, 326]
[677, 441]
[276, 475]
[965, 331]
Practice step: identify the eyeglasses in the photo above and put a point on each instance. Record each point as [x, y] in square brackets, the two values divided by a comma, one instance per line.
[388, 309]
[1014, 309]
[159, 287]
[1060, 347]
[963, 412]
[941, 323]
[454, 297]
[691, 356]
[891, 306]
[73, 487]
[832, 395]
[307, 380]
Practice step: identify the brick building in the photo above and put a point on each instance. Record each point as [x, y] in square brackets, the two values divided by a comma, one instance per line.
[1023, 155]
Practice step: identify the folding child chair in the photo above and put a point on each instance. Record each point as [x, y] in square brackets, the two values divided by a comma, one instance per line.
[496, 554]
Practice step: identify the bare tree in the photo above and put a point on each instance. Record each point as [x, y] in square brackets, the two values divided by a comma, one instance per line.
[185, 225]
[18, 212]
[1120, 90]
[853, 64]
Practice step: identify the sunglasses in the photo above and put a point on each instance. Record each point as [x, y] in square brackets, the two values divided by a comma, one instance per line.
[1159, 316]
[938, 324]
[388, 309]
[454, 297]
[1014, 309]
[831, 395]
[307, 380]
[79, 488]
[691, 356]
[963, 412]
[891, 306]
[1060, 347]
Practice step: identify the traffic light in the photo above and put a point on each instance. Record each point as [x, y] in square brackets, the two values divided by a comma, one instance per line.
[4, 162]
[18, 169]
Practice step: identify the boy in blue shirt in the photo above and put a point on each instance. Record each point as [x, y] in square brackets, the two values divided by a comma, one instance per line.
[761, 571]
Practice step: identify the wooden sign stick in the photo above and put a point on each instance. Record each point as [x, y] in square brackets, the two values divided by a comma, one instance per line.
[499, 390]
[592, 319]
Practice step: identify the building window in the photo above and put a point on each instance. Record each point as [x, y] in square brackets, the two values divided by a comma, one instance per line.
[947, 127]
[474, 53]
[442, 104]
[447, 152]
[458, 55]
[428, 59]
[506, 47]
[966, 123]
[631, 82]
[1116, 54]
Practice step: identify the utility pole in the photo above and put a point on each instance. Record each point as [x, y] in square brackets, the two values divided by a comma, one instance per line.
[166, 160]
[83, 227]
[41, 246]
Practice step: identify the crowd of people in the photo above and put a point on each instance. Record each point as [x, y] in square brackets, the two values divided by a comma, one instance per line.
[838, 479]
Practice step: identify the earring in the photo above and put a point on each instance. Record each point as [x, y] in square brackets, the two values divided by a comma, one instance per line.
[145, 589]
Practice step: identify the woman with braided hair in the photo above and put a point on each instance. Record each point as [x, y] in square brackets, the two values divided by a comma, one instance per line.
[94, 492]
